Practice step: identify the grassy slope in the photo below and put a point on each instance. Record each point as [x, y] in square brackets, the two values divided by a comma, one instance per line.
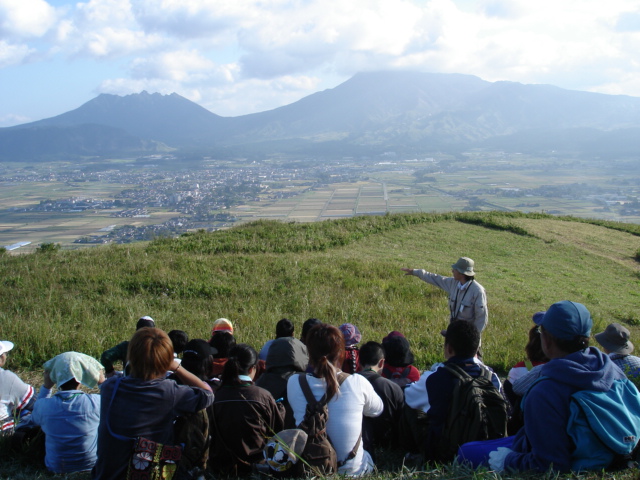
[342, 271]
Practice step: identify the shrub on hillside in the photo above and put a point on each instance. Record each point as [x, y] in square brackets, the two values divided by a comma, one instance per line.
[48, 247]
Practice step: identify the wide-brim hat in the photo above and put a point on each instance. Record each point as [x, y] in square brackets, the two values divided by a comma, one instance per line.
[464, 265]
[5, 346]
[615, 338]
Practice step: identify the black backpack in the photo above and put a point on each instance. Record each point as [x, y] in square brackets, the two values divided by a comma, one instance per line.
[478, 411]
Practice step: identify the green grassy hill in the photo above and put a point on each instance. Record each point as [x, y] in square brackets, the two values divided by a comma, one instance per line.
[337, 271]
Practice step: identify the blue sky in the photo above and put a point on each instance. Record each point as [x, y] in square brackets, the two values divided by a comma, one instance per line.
[235, 57]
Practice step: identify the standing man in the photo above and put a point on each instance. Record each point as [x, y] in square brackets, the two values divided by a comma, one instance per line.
[467, 298]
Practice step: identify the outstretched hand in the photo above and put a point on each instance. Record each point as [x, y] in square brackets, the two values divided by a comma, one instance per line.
[408, 271]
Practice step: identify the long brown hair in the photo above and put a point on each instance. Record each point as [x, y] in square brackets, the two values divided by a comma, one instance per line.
[325, 344]
[150, 353]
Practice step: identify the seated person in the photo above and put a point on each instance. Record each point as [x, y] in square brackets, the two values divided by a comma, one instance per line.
[244, 416]
[432, 394]
[179, 339]
[382, 430]
[398, 362]
[70, 418]
[287, 355]
[347, 401]
[352, 337]
[222, 325]
[615, 343]
[193, 429]
[16, 397]
[284, 328]
[535, 358]
[306, 326]
[119, 352]
[222, 342]
[546, 441]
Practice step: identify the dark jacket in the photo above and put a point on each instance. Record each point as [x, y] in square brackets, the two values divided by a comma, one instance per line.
[140, 408]
[244, 416]
[382, 430]
[286, 356]
[440, 385]
[113, 355]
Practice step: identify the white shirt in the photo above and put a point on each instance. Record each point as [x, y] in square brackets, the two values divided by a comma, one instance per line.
[355, 399]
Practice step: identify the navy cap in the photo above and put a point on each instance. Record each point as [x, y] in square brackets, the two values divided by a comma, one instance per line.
[566, 320]
[537, 317]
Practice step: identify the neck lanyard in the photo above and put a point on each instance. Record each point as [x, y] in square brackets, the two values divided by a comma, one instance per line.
[454, 308]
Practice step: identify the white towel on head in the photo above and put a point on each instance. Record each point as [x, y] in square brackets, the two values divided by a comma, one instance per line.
[69, 365]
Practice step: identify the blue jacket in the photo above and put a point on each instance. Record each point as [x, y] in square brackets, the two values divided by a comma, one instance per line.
[543, 441]
[70, 421]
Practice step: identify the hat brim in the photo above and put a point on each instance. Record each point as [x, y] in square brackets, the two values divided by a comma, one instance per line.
[612, 347]
[5, 346]
[468, 273]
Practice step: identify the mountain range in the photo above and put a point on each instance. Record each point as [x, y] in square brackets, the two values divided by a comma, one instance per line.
[371, 113]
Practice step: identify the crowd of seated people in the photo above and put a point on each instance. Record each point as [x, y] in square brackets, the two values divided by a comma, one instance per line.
[219, 401]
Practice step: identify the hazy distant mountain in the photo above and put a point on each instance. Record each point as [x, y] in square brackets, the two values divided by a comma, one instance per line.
[170, 119]
[371, 112]
[59, 143]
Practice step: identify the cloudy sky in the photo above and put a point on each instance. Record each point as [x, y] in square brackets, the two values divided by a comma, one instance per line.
[235, 57]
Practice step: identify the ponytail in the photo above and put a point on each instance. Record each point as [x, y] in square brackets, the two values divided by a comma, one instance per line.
[241, 358]
[325, 344]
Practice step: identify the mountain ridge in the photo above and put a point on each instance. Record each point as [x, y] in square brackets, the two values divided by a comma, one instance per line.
[400, 110]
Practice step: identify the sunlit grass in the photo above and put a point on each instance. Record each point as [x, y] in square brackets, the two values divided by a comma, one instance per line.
[339, 271]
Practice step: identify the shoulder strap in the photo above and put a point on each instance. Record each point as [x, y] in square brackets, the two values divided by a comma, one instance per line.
[308, 394]
[113, 394]
[457, 371]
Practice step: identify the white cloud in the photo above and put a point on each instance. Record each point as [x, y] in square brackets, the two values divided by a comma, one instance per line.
[11, 119]
[180, 66]
[240, 56]
[25, 18]
[195, 18]
[257, 95]
[13, 54]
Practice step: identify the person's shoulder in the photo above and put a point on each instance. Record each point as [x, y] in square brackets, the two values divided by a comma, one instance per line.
[389, 385]
[8, 376]
[256, 389]
[294, 380]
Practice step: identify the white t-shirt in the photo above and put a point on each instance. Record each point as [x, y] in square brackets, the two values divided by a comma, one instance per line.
[14, 395]
[355, 399]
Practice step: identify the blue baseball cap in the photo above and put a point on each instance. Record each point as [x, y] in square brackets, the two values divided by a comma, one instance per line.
[566, 320]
